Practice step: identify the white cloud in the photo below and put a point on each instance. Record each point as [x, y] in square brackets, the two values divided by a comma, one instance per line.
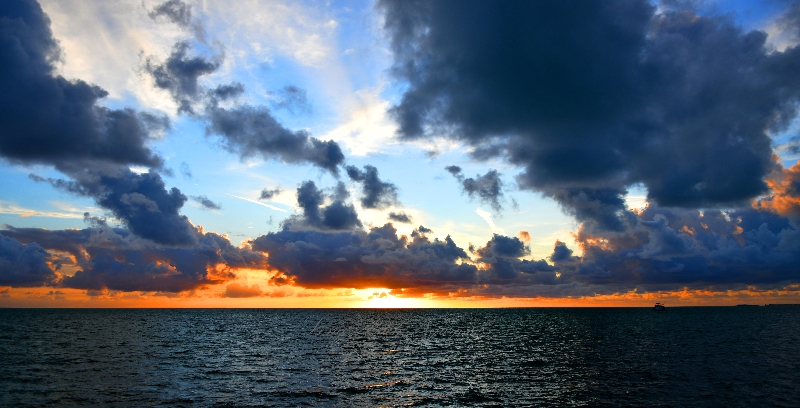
[267, 26]
[102, 42]
[487, 216]
[367, 128]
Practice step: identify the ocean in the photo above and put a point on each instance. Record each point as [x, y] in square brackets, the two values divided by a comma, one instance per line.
[688, 356]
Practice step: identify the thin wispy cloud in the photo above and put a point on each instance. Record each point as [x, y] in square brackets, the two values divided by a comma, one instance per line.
[270, 206]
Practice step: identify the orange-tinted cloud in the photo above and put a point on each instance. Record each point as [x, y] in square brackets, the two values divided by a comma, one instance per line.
[660, 250]
[785, 197]
[105, 258]
[235, 290]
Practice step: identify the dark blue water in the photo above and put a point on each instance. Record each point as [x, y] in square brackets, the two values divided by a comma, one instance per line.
[726, 356]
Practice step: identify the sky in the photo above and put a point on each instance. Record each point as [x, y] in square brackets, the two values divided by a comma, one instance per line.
[399, 153]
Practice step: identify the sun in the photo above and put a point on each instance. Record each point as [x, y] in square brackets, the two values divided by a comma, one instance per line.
[381, 298]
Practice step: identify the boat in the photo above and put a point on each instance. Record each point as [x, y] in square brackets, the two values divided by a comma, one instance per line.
[659, 308]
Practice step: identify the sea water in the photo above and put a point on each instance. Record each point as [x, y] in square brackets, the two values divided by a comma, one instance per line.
[693, 356]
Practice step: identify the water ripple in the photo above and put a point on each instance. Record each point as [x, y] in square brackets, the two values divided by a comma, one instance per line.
[484, 357]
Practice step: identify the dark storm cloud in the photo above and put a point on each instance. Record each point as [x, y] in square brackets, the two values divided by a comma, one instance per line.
[141, 201]
[505, 247]
[454, 170]
[206, 202]
[374, 192]
[115, 259]
[45, 118]
[400, 217]
[253, 131]
[561, 252]
[179, 75]
[225, 92]
[591, 98]
[670, 249]
[23, 265]
[381, 258]
[597, 208]
[502, 254]
[488, 188]
[267, 194]
[337, 215]
[660, 249]
[293, 99]
[361, 259]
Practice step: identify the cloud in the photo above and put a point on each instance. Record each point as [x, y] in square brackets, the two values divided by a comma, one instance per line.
[115, 259]
[141, 201]
[360, 259]
[179, 75]
[375, 193]
[267, 194]
[598, 208]
[790, 20]
[54, 121]
[266, 28]
[206, 203]
[785, 195]
[45, 118]
[681, 104]
[503, 254]
[487, 216]
[673, 248]
[400, 217]
[225, 92]
[249, 131]
[380, 258]
[335, 216]
[454, 170]
[186, 171]
[291, 98]
[180, 13]
[561, 253]
[23, 265]
[235, 290]
[591, 99]
[252, 131]
[366, 129]
[175, 11]
[272, 207]
[488, 188]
